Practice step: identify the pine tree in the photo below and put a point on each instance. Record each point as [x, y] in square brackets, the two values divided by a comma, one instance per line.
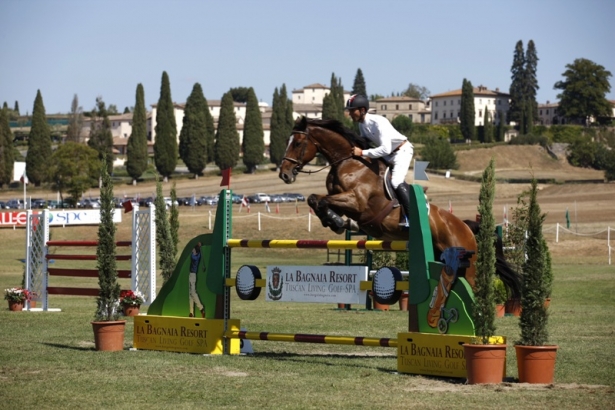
[165, 146]
[164, 238]
[483, 312]
[136, 150]
[487, 127]
[7, 157]
[39, 144]
[101, 138]
[75, 121]
[279, 128]
[359, 84]
[584, 91]
[466, 112]
[109, 295]
[193, 136]
[227, 137]
[253, 144]
[517, 91]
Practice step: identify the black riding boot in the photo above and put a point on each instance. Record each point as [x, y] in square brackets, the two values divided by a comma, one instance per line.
[403, 196]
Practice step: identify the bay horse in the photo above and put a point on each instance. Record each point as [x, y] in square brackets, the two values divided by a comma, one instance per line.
[356, 190]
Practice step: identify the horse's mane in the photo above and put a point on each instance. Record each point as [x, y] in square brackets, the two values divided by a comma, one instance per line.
[339, 128]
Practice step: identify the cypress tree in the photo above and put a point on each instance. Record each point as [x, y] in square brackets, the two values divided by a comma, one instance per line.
[193, 136]
[16, 108]
[227, 138]
[174, 220]
[531, 81]
[39, 144]
[359, 84]
[487, 127]
[109, 295]
[165, 146]
[466, 112]
[164, 239]
[483, 311]
[536, 278]
[501, 125]
[278, 135]
[136, 150]
[515, 111]
[101, 138]
[75, 121]
[253, 144]
[7, 155]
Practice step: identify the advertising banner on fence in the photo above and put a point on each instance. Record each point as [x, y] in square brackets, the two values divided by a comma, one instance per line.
[58, 218]
[316, 284]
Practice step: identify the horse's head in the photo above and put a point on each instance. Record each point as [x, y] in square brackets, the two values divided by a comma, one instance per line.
[300, 150]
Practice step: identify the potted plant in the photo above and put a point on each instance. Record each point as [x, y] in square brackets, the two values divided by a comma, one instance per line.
[535, 359]
[485, 357]
[108, 330]
[501, 295]
[131, 302]
[17, 297]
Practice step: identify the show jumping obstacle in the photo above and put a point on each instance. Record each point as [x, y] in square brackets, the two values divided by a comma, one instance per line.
[38, 257]
[425, 349]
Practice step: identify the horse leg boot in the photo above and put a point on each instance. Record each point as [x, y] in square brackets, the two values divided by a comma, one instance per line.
[403, 196]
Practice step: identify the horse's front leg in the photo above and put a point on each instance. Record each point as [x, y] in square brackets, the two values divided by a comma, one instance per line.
[328, 208]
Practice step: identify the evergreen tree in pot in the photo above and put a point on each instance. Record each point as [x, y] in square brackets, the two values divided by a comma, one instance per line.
[535, 359]
[108, 330]
[486, 358]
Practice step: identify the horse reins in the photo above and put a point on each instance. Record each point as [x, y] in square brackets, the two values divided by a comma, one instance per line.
[303, 148]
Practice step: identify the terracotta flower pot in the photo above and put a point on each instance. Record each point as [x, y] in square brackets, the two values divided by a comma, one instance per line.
[485, 364]
[536, 364]
[378, 306]
[109, 336]
[16, 306]
[131, 310]
[513, 307]
[403, 302]
[500, 310]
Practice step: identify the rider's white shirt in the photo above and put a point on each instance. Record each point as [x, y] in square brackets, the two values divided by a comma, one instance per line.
[382, 134]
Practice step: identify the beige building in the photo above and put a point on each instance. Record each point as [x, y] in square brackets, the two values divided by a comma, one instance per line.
[445, 107]
[392, 107]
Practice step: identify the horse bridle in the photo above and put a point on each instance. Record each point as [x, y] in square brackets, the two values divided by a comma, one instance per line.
[299, 167]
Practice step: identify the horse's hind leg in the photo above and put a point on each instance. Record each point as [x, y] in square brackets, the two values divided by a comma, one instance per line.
[328, 218]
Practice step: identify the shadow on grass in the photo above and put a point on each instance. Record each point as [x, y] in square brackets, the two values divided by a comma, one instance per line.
[69, 347]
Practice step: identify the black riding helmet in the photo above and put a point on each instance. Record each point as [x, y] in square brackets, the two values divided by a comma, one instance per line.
[357, 101]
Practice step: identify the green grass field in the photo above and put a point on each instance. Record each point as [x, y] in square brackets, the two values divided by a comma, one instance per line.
[47, 360]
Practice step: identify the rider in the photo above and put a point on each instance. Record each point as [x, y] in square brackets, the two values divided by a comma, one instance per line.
[388, 144]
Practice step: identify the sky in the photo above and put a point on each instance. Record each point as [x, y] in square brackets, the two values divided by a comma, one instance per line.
[106, 48]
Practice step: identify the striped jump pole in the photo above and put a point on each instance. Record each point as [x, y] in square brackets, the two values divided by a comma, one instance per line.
[308, 338]
[318, 244]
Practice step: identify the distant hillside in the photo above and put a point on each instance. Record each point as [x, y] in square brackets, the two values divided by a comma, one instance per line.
[521, 162]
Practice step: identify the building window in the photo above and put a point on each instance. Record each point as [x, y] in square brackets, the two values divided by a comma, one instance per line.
[540, 112]
[436, 103]
[480, 101]
[459, 102]
[396, 107]
[444, 103]
[499, 102]
[444, 114]
[410, 107]
[452, 102]
[383, 107]
[436, 115]
[547, 112]
[410, 116]
[480, 113]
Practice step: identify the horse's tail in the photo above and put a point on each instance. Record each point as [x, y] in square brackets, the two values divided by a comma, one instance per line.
[510, 277]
